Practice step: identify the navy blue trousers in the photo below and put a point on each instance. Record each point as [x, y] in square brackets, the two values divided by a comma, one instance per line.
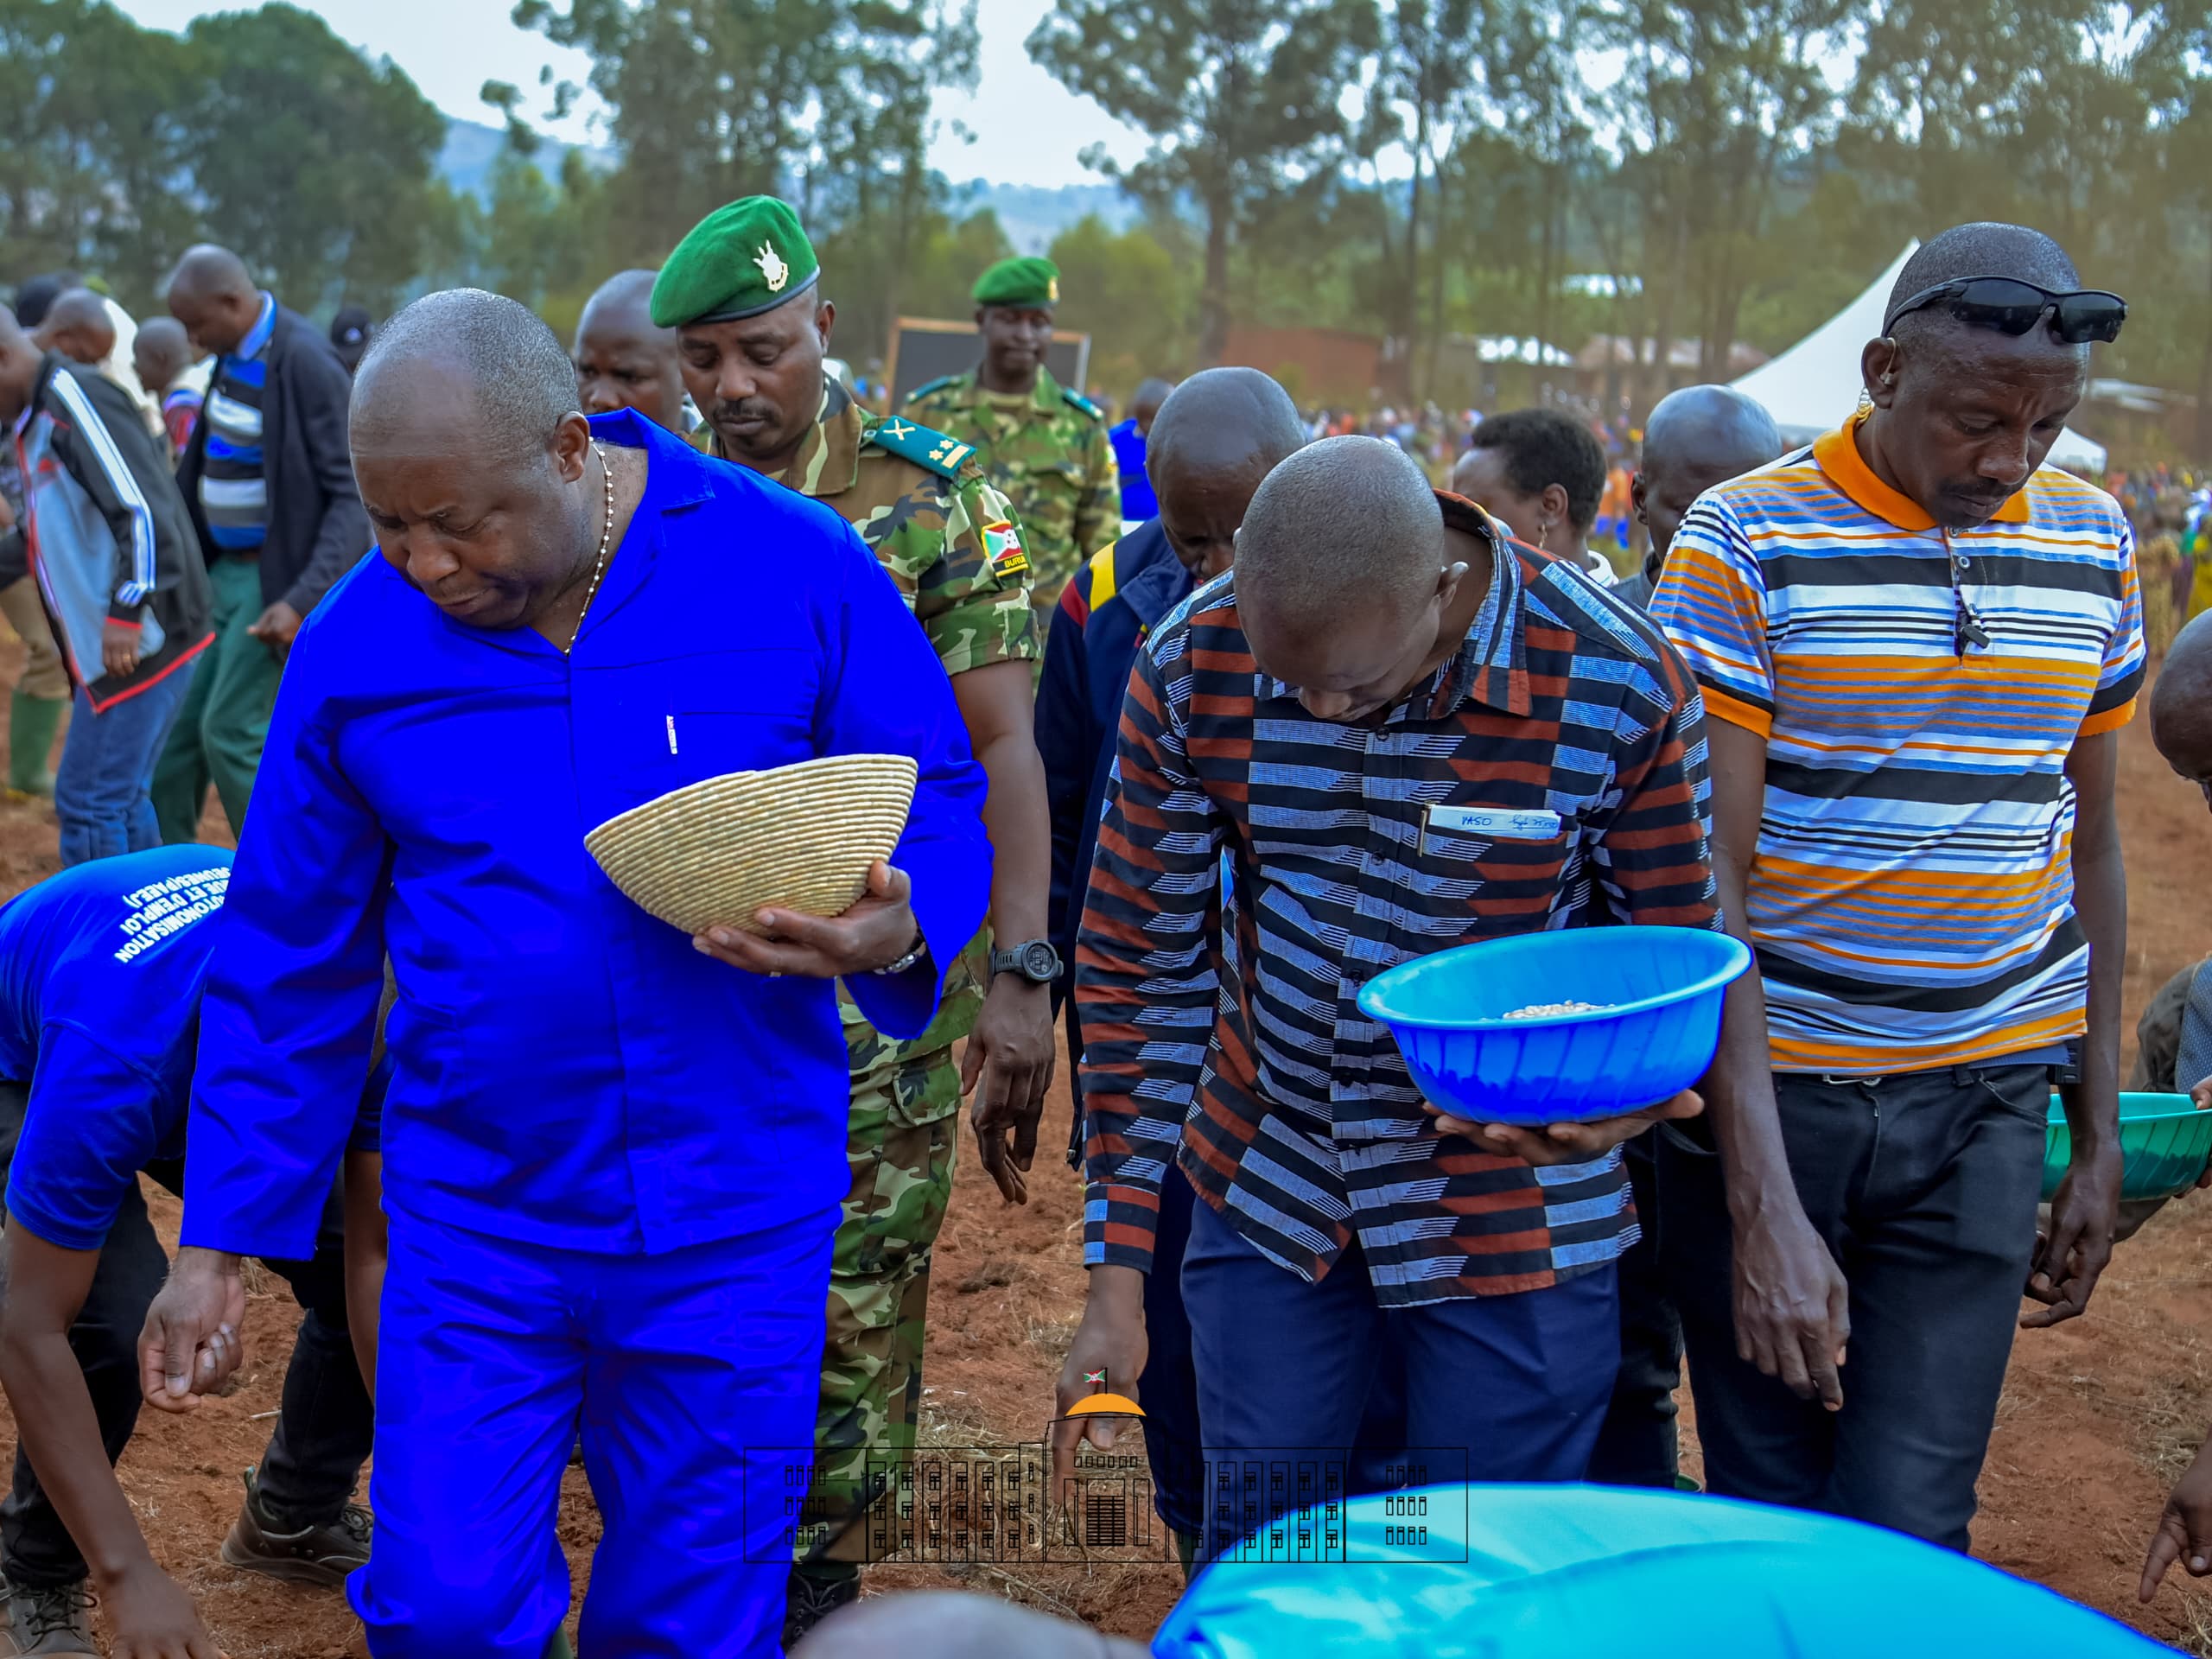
[1494, 1387]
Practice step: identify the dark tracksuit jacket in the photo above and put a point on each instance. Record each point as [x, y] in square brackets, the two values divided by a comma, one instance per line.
[106, 532]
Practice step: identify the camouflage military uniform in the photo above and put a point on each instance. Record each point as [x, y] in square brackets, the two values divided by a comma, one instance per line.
[923, 505]
[1049, 454]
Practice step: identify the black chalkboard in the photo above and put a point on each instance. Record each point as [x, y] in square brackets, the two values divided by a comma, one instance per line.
[924, 349]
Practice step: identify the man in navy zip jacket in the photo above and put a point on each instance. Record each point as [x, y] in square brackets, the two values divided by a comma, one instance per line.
[1217, 435]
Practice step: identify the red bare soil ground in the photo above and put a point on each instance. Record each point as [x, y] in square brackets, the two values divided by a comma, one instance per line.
[2098, 1416]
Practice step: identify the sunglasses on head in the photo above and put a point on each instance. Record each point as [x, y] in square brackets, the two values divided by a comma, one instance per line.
[2012, 307]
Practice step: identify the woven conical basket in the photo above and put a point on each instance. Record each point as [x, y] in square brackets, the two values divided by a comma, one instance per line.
[799, 837]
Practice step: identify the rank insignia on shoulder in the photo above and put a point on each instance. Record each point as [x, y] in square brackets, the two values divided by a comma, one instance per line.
[1079, 401]
[924, 446]
[1002, 547]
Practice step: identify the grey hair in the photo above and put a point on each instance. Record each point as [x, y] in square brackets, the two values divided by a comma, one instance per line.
[524, 383]
[1338, 527]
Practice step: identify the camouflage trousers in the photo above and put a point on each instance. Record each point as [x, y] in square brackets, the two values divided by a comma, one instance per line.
[899, 1151]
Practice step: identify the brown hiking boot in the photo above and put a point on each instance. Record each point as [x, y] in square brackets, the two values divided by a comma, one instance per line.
[323, 1554]
[50, 1623]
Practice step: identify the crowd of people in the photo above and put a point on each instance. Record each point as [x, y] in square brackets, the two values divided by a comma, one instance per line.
[1214, 719]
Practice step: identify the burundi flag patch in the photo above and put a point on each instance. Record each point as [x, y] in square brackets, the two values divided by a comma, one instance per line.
[1002, 547]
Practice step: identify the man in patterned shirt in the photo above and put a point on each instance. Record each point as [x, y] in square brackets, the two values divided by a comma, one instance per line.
[742, 291]
[269, 481]
[1044, 444]
[1380, 663]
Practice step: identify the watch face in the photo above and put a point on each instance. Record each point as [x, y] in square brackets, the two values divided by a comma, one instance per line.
[1040, 962]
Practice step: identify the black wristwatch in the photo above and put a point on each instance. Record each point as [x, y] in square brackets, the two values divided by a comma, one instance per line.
[1036, 961]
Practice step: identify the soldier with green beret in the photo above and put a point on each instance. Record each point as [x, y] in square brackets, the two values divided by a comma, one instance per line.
[1045, 445]
[742, 292]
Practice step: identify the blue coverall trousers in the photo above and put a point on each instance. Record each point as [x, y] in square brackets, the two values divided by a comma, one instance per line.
[692, 1376]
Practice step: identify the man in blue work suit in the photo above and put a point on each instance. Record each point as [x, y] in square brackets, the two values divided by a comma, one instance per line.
[101, 969]
[614, 1153]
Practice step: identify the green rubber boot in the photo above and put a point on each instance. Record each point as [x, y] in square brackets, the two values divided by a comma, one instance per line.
[557, 1645]
[32, 722]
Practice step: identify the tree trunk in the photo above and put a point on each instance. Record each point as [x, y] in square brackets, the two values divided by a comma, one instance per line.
[1436, 291]
[1213, 298]
[2204, 379]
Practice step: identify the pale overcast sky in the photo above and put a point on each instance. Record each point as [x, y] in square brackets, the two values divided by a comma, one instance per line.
[1029, 128]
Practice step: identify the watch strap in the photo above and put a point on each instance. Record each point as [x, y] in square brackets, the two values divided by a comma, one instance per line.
[921, 948]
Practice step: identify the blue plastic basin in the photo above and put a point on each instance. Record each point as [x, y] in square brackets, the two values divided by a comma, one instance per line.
[1659, 991]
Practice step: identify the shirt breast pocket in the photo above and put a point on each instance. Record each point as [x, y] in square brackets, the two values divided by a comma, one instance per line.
[1506, 865]
[723, 711]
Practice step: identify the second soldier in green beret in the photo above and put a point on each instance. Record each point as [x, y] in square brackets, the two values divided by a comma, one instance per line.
[1045, 445]
[742, 292]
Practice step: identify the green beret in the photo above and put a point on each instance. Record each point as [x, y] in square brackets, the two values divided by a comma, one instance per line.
[1020, 281]
[738, 261]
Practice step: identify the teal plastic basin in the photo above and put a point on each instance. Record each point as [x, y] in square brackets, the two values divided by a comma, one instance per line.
[2166, 1143]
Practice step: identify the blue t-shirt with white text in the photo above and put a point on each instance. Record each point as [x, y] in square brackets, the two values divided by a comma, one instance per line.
[101, 969]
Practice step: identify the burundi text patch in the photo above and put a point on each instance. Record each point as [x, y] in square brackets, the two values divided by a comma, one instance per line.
[1002, 547]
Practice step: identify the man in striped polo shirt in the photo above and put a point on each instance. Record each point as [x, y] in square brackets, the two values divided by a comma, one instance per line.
[1381, 664]
[1917, 646]
[269, 484]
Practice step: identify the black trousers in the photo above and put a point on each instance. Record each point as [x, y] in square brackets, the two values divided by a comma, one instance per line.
[1640, 1444]
[324, 1424]
[1924, 1186]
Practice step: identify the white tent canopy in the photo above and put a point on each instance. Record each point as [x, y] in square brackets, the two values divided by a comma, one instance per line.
[1816, 382]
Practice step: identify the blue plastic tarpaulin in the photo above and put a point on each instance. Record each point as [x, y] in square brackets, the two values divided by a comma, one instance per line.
[1557, 1572]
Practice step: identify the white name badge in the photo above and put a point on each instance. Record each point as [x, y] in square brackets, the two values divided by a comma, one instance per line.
[1490, 823]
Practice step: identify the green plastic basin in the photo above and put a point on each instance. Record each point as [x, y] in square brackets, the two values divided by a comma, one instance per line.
[2164, 1142]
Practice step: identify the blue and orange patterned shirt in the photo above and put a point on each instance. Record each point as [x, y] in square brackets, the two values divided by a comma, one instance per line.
[1228, 1036]
[1912, 900]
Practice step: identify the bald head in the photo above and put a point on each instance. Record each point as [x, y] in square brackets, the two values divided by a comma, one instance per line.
[1216, 436]
[1225, 417]
[207, 271]
[78, 325]
[1696, 438]
[1345, 523]
[213, 294]
[1710, 423]
[477, 472]
[160, 352]
[622, 360]
[952, 1624]
[2181, 706]
[624, 294]
[1986, 248]
[1145, 402]
[463, 371]
[1342, 567]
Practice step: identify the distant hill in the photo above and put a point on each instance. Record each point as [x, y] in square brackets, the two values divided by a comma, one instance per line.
[1031, 216]
[471, 148]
